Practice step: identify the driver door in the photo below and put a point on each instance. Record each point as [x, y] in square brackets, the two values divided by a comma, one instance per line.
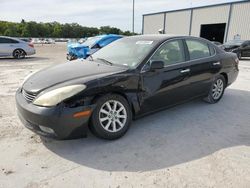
[169, 85]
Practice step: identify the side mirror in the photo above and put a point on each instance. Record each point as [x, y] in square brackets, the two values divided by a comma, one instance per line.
[156, 65]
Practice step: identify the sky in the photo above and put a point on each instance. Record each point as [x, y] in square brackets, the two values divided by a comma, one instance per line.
[96, 13]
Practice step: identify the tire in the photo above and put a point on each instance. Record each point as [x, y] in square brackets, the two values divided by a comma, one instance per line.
[19, 54]
[217, 90]
[108, 123]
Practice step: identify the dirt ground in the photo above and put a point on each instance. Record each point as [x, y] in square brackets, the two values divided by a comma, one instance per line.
[192, 145]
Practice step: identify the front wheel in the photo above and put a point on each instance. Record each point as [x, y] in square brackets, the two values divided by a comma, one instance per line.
[111, 117]
[217, 90]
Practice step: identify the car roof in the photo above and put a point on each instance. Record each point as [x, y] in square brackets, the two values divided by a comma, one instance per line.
[160, 37]
[14, 38]
[8, 37]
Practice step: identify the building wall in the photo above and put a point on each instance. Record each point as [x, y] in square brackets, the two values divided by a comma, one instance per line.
[178, 22]
[240, 21]
[210, 15]
[152, 23]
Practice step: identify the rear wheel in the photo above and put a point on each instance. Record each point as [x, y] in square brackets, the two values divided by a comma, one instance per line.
[19, 54]
[111, 117]
[217, 90]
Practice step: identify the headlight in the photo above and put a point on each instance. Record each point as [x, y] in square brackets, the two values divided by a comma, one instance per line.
[52, 98]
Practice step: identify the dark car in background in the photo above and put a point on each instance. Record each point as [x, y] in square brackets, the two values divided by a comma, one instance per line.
[127, 79]
[240, 47]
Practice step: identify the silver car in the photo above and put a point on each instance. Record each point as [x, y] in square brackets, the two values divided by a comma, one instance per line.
[15, 47]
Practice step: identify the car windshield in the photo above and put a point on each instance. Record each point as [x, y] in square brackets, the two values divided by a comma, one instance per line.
[234, 42]
[91, 41]
[127, 51]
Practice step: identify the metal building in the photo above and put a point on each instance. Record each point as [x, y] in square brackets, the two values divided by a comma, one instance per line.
[220, 22]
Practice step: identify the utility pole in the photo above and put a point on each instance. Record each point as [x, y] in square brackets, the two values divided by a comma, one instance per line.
[133, 21]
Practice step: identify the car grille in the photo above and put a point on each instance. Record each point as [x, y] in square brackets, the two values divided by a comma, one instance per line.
[28, 96]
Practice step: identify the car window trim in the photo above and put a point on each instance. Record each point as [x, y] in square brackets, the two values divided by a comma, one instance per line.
[207, 44]
[187, 61]
[168, 40]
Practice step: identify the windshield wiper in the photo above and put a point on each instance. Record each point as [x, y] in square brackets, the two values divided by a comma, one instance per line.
[105, 61]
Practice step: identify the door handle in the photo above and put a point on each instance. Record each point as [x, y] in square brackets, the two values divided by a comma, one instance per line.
[217, 63]
[185, 70]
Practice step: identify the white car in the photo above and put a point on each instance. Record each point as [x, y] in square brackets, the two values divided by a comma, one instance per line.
[15, 47]
[36, 41]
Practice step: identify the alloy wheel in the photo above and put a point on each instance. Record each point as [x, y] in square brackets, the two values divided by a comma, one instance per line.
[217, 89]
[19, 54]
[113, 116]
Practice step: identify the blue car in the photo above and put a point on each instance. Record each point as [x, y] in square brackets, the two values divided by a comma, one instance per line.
[90, 46]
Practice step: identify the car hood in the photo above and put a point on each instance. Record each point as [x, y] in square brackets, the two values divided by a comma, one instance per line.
[68, 72]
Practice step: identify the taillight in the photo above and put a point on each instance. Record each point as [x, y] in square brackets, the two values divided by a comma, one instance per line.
[31, 45]
[236, 60]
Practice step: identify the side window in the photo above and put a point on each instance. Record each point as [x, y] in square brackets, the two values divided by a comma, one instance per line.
[4, 41]
[170, 53]
[197, 49]
[7, 41]
[13, 41]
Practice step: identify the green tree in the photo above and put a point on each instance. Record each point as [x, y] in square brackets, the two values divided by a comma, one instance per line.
[55, 29]
[11, 30]
[110, 30]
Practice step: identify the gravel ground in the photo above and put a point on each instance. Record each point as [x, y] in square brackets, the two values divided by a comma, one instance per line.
[192, 145]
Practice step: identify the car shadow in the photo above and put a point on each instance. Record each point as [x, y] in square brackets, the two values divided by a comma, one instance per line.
[29, 59]
[181, 134]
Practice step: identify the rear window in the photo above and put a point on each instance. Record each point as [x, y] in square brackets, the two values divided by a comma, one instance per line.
[197, 49]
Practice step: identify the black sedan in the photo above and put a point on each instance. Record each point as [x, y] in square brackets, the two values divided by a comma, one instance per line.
[240, 47]
[129, 78]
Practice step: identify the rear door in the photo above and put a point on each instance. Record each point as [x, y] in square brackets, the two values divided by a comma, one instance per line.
[2, 46]
[170, 85]
[7, 46]
[204, 64]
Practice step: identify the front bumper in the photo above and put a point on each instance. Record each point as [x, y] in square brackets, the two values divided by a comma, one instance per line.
[59, 119]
